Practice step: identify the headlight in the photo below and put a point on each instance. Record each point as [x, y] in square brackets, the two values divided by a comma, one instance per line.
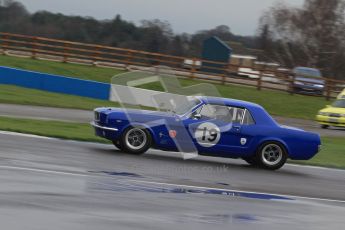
[319, 86]
[323, 113]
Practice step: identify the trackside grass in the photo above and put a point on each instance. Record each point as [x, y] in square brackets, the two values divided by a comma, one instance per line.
[276, 102]
[332, 154]
[85, 72]
[23, 96]
[63, 130]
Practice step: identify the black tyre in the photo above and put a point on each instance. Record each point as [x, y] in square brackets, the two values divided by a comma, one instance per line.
[135, 140]
[117, 144]
[271, 155]
[324, 126]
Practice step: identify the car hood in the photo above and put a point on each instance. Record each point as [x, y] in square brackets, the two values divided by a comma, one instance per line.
[333, 110]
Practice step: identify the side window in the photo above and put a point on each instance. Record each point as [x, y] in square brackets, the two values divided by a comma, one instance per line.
[226, 114]
[248, 119]
[208, 111]
[218, 112]
[237, 114]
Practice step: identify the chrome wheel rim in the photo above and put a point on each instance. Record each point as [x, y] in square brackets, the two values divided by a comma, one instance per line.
[272, 154]
[136, 138]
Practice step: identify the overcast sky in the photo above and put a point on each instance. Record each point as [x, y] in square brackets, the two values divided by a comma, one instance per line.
[184, 15]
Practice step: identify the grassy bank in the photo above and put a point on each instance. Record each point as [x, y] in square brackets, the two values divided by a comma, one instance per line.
[18, 95]
[63, 130]
[65, 69]
[332, 154]
[276, 102]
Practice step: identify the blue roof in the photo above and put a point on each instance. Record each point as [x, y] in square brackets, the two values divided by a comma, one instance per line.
[230, 102]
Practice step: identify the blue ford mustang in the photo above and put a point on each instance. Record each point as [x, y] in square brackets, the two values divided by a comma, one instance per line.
[208, 126]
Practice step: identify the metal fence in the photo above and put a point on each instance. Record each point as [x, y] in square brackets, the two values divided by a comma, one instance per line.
[194, 68]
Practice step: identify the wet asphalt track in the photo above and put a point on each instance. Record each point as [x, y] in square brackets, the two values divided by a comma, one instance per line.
[55, 184]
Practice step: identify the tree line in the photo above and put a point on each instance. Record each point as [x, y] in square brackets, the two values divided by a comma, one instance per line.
[312, 35]
[150, 35]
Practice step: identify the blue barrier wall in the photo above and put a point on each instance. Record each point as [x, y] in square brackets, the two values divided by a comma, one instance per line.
[54, 83]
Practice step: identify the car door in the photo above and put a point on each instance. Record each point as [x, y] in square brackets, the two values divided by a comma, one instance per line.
[217, 129]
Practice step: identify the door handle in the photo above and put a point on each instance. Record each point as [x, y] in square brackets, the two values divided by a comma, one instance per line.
[236, 128]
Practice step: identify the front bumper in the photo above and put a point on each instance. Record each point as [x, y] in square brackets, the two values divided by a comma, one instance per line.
[308, 89]
[109, 133]
[95, 125]
[331, 121]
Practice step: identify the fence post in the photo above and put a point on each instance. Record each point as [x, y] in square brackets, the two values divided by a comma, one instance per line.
[328, 88]
[193, 69]
[95, 56]
[34, 48]
[65, 55]
[260, 79]
[226, 73]
[291, 84]
[4, 44]
[129, 59]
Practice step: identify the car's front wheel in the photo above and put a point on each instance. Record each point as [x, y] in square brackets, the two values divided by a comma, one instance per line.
[324, 126]
[135, 140]
[271, 155]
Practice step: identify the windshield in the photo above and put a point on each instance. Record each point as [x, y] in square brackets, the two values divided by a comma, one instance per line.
[308, 72]
[186, 105]
[339, 104]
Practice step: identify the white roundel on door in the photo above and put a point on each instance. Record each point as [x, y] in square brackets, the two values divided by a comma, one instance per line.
[207, 134]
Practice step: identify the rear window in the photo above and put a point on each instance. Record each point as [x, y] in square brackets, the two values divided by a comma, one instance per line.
[305, 72]
[339, 103]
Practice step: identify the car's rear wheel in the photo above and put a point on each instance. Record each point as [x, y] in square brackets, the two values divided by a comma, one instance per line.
[324, 126]
[135, 140]
[271, 155]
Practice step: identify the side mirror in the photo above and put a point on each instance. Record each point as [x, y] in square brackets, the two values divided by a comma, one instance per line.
[196, 116]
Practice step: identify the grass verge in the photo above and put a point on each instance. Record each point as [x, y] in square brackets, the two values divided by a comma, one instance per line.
[17, 95]
[58, 129]
[276, 102]
[64, 69]
[332, 154]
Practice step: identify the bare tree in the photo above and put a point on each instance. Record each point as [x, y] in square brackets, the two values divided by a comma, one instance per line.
[311, 36]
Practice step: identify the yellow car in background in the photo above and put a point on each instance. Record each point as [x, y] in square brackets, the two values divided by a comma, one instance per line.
[333, 115]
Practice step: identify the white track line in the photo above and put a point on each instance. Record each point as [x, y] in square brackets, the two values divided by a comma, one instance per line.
[42, 171]
[24, 135]
[176, 185]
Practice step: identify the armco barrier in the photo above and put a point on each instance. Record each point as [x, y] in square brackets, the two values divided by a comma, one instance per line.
[54, 83]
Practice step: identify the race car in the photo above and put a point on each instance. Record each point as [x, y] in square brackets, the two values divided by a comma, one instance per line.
[210, 126]
[332, 115]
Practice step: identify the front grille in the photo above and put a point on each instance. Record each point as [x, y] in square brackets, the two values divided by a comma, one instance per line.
[97, 116]
[334, 115]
